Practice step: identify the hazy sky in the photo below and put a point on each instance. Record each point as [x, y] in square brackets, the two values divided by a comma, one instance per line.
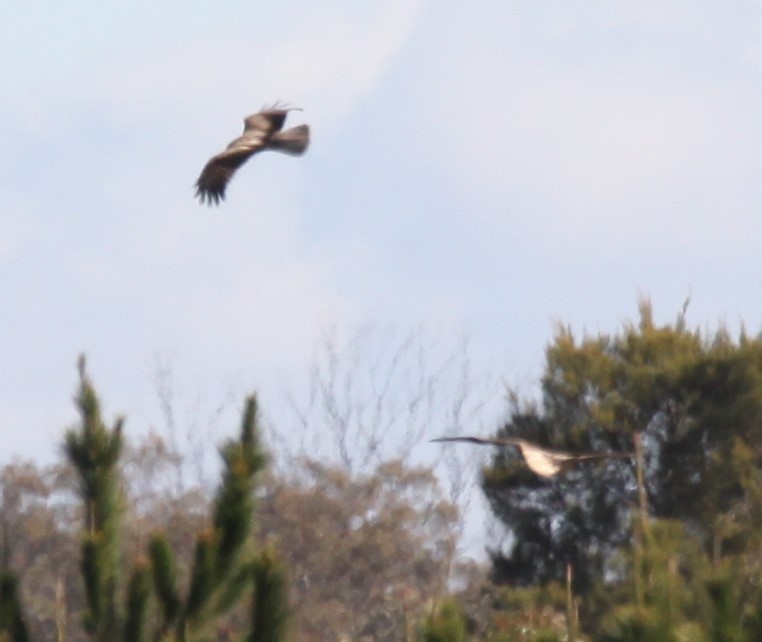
[481, 169]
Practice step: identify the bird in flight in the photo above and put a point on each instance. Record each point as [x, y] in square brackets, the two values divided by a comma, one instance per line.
[542, 462]
[260, 131]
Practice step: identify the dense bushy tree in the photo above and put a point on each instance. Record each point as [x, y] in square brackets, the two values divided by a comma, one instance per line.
[367, 552]
[697, 399]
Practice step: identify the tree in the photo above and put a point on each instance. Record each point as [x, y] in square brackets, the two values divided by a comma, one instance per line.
[698, 402]
[143, 596]
[94, 451]
[377, 395]
[686, 596]
[38, 527]
[12, 625]
[367, 552]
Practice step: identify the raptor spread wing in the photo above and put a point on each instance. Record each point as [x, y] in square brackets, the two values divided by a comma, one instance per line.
[211, 184]
[261, 131]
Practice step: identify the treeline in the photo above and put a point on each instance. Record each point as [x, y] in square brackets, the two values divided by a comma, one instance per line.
[674, 555]
[106, 545]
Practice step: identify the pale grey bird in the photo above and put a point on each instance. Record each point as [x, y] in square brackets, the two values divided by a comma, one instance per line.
[260, 131]
[542, 462]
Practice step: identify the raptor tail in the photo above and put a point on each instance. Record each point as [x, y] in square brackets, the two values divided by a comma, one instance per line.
[292, 141]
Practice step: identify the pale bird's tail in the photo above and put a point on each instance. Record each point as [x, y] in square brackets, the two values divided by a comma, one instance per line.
[291, 141]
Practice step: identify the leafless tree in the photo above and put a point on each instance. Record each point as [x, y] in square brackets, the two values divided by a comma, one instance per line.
[378, 395]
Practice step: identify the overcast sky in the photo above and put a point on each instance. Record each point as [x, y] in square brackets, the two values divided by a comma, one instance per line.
[476, 169]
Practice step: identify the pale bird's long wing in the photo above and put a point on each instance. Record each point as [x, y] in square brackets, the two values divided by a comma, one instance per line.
[541, 461]
[538, 460]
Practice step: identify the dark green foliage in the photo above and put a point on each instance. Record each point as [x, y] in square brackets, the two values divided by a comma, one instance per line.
[164, 579]
[12, 626]
[633, 624]
[216, 572]
[547, 637]
[445, 624]
[234, 588]
[698, 403]
[708, 610]
[680, 561]
[136, 611]
[91, 567]
[202, 581]
[726, 609]
[753, 618]
[269, 610]
[93, 449]
[234, 504]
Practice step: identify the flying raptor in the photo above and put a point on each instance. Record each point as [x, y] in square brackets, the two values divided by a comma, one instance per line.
[542, 462]
[260, 131]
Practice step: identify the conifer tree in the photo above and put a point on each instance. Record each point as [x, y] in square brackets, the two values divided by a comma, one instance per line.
[93, 449]
[136, 600]
[222, 568]
[697, 400]
[12, 625]
[269, 613]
